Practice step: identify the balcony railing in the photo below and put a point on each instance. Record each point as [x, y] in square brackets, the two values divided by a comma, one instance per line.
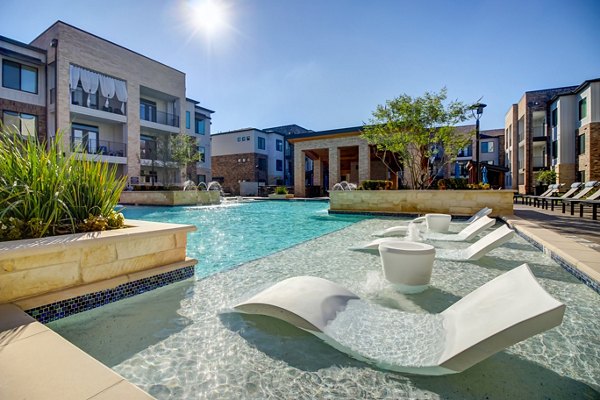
[465, 153]
[159, 117]
[539, 161]
[97, 102]
[539, 131]
[100, 147]
[149, 152]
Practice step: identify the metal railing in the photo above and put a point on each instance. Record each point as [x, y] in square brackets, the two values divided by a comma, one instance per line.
[100, 147]
[79, 98]
[149, 152]
[539, 161]
[539, 131]
[159, 117]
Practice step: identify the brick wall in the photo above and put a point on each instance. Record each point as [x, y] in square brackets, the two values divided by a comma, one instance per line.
[39, 111]
[590, 161]
[234, 168]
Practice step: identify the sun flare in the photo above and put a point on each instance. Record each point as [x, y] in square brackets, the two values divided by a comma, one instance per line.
[209, 15]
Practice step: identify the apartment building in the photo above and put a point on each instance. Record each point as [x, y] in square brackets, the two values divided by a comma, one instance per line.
[491, 153]
[246, 159]
[528, 137]
[288, 149]
[110, 103]
[575, 133]
[23, 90]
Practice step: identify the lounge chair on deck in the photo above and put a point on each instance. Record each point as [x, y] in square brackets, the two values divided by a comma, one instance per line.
[506, 310]
[533, 200]
[401, 230]
[568, 194]
[591, 200]
[480, 248]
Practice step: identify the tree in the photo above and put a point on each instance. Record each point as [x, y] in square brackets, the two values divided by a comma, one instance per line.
[184, 151]
[418, 135]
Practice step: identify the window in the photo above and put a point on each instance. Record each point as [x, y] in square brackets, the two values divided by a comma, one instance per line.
[581, 144]
[278, 165]
[487, 147]
[19, 77]
[279, 146]
[84, 138]
[582, 108]
[555, 149]
[201, 154]
[465, 152]
[555, 117]
[26, 124]
[147, 110]
[188, 120]
[201, 178]
[262, 164]
[199, 126]
[261, 143]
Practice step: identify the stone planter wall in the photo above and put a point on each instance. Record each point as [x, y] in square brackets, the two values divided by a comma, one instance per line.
[33, 267]
[171, 197]
[281, 196]
[455, 202]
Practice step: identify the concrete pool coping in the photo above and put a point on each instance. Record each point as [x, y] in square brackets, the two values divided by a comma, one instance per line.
[31, 352]
[37, 363]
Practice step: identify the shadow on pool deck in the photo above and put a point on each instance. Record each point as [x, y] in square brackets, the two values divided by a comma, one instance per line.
[502, 376]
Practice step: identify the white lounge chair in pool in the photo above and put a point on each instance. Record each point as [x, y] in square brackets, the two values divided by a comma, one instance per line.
[480, 248]
[510, 308]
[467, 233]
[472, 253]
[400, 230]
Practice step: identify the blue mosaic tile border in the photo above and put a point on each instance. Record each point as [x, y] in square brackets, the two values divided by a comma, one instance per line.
[65, 308]
[374, 214]
[595, 286]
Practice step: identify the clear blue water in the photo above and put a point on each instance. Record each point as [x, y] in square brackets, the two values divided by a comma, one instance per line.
[232, 234]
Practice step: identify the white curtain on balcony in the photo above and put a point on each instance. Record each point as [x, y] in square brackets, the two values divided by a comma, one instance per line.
[107, 88]
[121, 91]
[91, 81]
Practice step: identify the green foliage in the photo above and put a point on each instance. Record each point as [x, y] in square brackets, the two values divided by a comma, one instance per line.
[415, 130]
[548, 177]
[281, 190]
[453, 183]
[43, 192]
[373, 184]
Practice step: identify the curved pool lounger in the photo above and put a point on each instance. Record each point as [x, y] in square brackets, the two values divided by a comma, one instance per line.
[373, 245]
[468, 233]
[504, 311]
[480, 248]
[401, 230]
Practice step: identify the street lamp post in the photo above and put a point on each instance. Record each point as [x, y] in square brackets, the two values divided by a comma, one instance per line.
[477, 110]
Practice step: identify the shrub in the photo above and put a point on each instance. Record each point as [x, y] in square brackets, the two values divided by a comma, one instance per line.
[281, 190]
[375, 185]
[43, 192]
[547, 177]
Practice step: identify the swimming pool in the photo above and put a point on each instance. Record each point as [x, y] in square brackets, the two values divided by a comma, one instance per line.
[181, 341]
[233, 233]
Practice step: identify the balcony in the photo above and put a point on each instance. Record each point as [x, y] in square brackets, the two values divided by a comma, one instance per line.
[465, 153]
[104, 148]
[90, 104]
[159, 117]
[539, 131]
[539, 161]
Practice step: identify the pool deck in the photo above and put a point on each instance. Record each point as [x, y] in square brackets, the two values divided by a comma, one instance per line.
[37, 363]
[572, 241]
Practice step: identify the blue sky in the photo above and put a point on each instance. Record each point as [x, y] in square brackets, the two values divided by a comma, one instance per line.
[326, 64]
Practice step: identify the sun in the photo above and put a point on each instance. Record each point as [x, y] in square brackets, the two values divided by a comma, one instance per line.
[209, 15]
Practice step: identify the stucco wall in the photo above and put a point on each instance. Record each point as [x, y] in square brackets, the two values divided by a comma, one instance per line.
[455, 202]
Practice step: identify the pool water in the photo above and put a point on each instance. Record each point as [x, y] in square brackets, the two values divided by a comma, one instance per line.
[183, 342]
[231, 234]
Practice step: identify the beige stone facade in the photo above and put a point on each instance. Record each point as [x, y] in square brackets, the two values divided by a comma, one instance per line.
[34, 267]
[124, 130]
[171, 198]
[454, 202]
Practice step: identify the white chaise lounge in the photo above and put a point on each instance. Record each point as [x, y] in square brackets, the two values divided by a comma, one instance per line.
[504, 311]
[467, 233]
[400, 230]
[480, 248]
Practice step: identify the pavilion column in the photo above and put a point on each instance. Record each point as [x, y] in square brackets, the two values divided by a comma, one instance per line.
[334, 166]
[299, 172]
[364, 163]
[318, 172]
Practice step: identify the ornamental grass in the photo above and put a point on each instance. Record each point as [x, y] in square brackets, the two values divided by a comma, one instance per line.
[44, 192]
